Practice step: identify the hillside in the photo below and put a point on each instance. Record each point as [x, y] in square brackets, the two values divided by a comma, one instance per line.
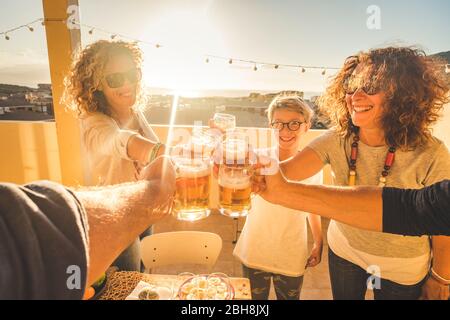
[9, 88]
[443, 55]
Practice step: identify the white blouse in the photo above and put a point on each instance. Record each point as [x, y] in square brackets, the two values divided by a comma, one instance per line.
[105, 148]
[275, 238]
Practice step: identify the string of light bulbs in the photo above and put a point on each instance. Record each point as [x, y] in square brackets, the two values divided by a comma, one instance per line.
[28, 26]
[207, 57]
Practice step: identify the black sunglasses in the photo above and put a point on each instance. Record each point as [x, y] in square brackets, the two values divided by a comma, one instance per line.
[117, 80]
[292, 125]
[367, 87]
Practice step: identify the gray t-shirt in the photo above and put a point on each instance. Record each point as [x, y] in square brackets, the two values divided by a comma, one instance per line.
[412, 169]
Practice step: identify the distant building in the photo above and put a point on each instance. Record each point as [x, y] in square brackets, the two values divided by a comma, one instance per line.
[221, 108]
[39, 98]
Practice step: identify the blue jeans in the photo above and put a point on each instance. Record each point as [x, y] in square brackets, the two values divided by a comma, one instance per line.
[130, 259]
[286, 288]
[349, 282]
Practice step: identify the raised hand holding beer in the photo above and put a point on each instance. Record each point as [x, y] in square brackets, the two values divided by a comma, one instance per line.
[161, 171]
[268, 179]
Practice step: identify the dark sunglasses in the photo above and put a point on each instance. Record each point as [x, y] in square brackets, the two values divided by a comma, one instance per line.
[367, 87]
[117, 80]
[292, 125]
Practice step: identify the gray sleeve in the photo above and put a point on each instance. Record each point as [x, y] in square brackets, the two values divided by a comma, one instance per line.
[440, 166]
[43, 242]
[324, 145]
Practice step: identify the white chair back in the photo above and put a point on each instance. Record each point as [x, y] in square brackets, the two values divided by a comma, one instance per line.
[180, 247]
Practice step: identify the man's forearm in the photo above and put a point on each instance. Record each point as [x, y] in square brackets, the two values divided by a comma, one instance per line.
[116, 216]
[361, 207]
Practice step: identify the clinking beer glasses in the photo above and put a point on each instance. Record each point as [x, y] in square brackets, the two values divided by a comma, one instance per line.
[234, 178]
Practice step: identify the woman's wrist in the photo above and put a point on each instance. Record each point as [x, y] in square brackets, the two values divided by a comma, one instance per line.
[439, 278]
[155, 152]
[318, 243]
[161, 151]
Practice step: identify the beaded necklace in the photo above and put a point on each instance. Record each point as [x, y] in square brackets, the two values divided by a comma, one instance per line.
[388, 162]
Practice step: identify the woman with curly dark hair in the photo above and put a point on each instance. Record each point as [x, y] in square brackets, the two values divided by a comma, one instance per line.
[382, 105]
[105, 87]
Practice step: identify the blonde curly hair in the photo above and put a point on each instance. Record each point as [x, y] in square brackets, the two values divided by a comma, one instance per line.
[82, 84]
[416, 91]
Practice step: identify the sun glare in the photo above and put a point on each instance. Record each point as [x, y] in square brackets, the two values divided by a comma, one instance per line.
[186, 36]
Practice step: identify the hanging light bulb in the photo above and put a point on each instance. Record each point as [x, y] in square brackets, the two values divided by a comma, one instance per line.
[207, 60]
[230, 61]
[7, 37]
[255, 68]
[30, 28]
[324, 71]
[91, 31]
[303, 70]
[276, 66]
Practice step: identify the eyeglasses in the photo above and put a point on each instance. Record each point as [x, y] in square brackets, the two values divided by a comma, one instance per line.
[350, 87]
[117, 80]
[292, 125]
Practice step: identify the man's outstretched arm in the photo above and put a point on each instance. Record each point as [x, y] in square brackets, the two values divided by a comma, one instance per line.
[406, 212]
[118, 214]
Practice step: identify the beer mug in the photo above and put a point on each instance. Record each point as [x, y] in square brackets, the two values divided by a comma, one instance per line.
[192, 187]
[234, 179]
[203, 142]
[225, 121]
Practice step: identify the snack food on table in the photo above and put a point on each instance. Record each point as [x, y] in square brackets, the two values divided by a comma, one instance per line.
[203, 288]
[148, 294]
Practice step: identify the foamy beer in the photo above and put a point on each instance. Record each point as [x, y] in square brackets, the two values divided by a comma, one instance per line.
[234, 179]
[192, 188]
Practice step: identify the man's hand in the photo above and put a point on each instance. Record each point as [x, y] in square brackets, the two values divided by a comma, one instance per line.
[161, 174]
[161, 168]
[268, 180]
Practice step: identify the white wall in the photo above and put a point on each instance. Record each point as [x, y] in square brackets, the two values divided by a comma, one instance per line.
[442, 128]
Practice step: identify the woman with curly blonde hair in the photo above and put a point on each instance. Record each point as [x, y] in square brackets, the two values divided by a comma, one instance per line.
[104, 86]
[382, 105]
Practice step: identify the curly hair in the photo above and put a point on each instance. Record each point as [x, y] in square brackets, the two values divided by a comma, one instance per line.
[415, 87]
[83, 81]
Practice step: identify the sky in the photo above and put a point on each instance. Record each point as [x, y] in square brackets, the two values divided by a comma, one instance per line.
[313, 33]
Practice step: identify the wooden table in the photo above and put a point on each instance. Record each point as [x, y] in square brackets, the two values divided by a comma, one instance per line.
[121, 283]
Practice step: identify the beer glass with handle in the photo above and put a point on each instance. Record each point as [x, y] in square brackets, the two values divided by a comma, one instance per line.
[193, 176]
